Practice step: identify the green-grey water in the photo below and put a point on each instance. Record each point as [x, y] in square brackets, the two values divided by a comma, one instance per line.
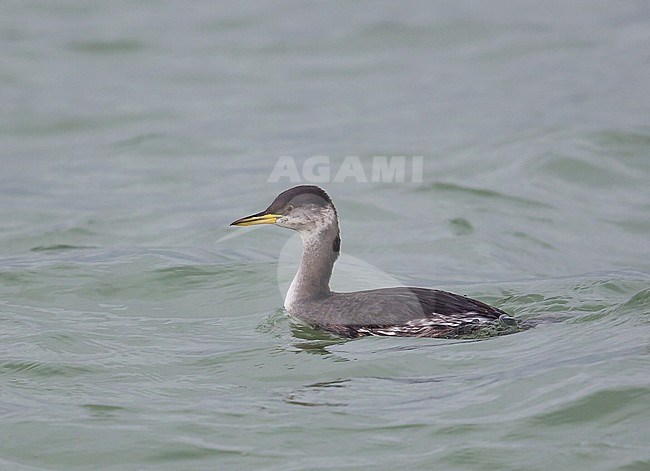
[139, 331]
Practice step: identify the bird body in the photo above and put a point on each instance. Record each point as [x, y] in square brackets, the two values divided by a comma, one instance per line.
[408, 311]
[399, 311]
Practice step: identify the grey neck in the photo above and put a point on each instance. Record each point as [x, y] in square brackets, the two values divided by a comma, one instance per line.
[320, 251]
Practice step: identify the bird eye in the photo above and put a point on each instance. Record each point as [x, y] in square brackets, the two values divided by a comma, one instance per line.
[288, 209]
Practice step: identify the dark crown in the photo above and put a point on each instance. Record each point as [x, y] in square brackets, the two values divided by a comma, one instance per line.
[299, 196]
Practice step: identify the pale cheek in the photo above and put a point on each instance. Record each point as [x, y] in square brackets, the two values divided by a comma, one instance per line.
[289, 224]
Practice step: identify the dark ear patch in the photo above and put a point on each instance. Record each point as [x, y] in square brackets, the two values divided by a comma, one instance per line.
[337, 244]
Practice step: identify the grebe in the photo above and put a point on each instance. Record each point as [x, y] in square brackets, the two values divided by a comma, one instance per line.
[400, 311]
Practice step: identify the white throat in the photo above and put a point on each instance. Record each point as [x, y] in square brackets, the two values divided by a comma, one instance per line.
[320, 244]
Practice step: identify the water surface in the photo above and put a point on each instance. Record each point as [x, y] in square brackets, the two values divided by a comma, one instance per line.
[135, 333]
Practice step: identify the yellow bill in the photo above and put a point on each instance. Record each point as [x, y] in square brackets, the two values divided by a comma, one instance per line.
[259, 218]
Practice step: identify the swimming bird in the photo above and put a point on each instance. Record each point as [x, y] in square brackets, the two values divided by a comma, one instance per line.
[399, 311]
